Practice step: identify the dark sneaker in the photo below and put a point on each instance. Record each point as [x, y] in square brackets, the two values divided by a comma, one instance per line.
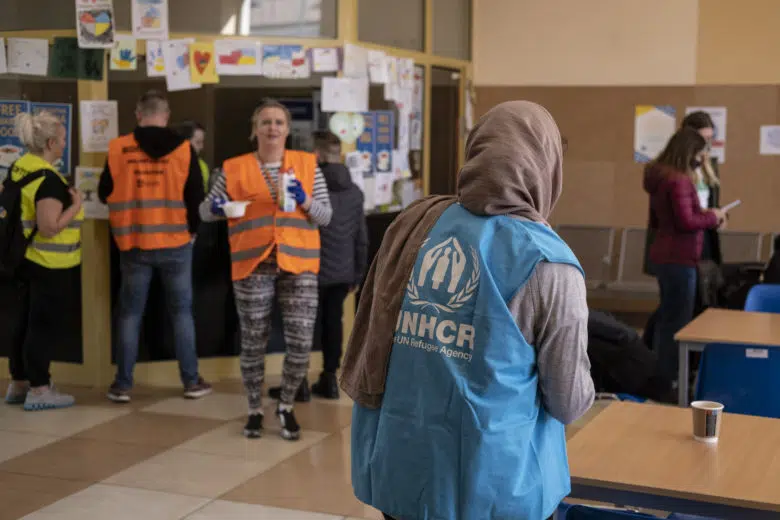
[197, 390]
[289, 426]
[302, 396]
[327, 387]
[15, 394]
[254, 426]
[118, 395]
[48, 399]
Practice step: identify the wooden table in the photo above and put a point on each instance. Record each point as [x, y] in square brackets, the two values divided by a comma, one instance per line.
[723, 326]
[644, 455]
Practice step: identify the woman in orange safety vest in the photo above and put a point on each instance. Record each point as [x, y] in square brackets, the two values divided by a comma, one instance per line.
[273, 252]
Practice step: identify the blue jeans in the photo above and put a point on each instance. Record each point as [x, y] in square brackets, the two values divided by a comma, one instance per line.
[175, 269]
[677, 284]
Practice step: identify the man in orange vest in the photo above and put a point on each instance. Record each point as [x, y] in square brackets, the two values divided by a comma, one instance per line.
[153, 187]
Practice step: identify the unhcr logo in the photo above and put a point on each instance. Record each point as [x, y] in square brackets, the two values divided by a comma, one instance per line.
[443, 268]
[450, 276]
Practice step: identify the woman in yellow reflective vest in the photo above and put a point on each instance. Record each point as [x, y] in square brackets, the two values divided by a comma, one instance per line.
[51, 218]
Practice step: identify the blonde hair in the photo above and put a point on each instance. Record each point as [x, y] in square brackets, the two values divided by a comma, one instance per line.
[34, 131]
[268, 103]
[710, 177]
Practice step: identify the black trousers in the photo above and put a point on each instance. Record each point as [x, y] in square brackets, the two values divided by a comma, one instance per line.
[41, 296]
[330, 326]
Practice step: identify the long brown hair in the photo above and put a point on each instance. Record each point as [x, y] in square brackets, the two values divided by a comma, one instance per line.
[700, 120]
[680, 151]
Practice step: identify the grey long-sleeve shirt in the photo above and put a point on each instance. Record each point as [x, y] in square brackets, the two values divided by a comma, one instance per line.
[551, 311]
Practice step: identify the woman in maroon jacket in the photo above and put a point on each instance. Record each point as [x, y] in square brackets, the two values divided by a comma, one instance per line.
[680, 221]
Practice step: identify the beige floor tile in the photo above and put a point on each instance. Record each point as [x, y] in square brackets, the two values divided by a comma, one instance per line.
[13, 444]
[222, 510]
[317, 479]
[217, 406]
[188, 473]
[117, 503]
[79, 459]
[152, 429]
[271, 449]
[60, 423]
[24, 494]
[365, 512]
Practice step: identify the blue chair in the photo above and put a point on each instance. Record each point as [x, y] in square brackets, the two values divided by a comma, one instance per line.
[742, 377]
[763, 298]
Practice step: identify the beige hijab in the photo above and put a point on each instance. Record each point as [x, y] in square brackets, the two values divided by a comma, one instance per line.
[513, 167]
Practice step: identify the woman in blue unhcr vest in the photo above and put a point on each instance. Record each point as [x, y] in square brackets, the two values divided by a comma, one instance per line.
[469, 352]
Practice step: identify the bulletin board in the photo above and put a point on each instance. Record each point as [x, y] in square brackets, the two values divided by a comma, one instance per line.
[603, 184]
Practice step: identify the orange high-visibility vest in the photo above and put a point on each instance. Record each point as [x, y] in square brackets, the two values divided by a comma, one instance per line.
[265, 226]
[146, 208]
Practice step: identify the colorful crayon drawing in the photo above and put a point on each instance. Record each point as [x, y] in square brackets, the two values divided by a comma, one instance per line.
[96, 28]
[155, 59]
[124, 55]
[285, 61]
[203, 63]
[150, 19]
[238, 57]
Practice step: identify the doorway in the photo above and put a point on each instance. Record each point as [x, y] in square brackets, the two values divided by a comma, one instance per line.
[445, 121]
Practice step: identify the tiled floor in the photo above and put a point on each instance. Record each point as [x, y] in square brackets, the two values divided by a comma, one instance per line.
[167, 458]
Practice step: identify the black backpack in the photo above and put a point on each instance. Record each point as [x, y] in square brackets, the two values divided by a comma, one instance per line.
[13, 243]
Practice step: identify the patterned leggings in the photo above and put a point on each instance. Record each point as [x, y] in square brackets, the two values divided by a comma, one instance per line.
[254, 295]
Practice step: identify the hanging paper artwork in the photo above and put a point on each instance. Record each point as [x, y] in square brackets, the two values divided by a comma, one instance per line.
[285, 62]
[344, 94]
[124, 54]
[28, 56]
[3, 63]
[355, 61]
[87, 181]
[99, 125]
[347, 126]
[377, 71]
[327, 59]
[239, 57]
[177, 65]
[406, 73]
[203, 68]
[95, 23]
[391, 86]
[155, 59]
[150, 19]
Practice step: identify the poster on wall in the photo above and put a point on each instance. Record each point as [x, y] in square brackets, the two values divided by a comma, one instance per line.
[11, 147]
[64, 112]
[719, 116]
[3, 63]
[150, 19]
[384, 140]
[239, 57]
[325, 59]
[366, 143]
[27, 56]
[344, 94]
[653, 126]
[99, 124]
[87, 180]
[203, 63]
[770, 140]
[95, 24]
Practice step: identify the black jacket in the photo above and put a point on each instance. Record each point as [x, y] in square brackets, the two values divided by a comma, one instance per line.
[344, 252]
[157, 142]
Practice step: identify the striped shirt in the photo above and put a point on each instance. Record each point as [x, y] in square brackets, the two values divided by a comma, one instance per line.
[319, 213]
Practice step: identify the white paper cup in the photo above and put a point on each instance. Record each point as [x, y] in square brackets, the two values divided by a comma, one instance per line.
[235, 209]
[707, 419]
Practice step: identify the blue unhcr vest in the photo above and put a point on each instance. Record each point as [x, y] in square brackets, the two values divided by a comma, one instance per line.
[461, 433]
